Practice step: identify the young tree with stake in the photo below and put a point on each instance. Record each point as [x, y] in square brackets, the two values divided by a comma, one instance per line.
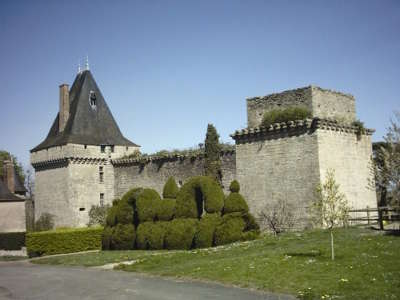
[331, 206]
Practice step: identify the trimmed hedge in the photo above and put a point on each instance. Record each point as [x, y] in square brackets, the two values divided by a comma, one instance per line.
[230, 229]
[212, 194]
[235, 203]
[250, 235]
[123, 237]
[167, 209]
[170, 188]
[111, 219]
[132, 195]
[148, 205]
[12, 240]
[150, 236]
[106, 238]
[234, 186]
[204, 236]
[284, 115]
[180, 233]
[63, 241]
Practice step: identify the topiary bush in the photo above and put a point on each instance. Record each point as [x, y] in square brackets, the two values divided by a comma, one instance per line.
[150, 236]
[170, 189]
[148, 205]
[250, 223]
[132, 195]
[284, 115]
[230, 230]
[234, 187]
[204, 236]
[106, 238]
[180, 233]
[235, 203]
[167, 209]
[124, 213]
[111, 219]
[123, 237]
[206, 188]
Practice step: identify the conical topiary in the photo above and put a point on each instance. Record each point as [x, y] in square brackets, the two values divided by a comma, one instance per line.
[170, 189]
[234, 187]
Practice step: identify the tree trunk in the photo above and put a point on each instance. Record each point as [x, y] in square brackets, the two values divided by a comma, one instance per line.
[332, 249]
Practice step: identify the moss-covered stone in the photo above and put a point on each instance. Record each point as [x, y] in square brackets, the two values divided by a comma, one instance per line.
[180, 233]
[204, 236]
[230, 230]
[148, 205]
[167, 209]
[235, 203]
[198, 193]
[170, 189]
[123, 237]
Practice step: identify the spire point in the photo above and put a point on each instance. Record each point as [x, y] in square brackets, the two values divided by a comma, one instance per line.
[87, 63]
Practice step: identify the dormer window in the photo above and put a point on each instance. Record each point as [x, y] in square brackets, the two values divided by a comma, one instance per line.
[92, 99]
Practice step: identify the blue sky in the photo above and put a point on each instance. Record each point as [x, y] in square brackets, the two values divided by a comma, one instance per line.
[167, 68]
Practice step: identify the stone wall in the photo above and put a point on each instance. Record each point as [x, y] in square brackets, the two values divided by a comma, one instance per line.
[12, 216]
[323, 103]
[154, 174]
[279, 167]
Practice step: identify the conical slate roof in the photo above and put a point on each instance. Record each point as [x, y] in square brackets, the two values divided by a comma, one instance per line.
[86, 124]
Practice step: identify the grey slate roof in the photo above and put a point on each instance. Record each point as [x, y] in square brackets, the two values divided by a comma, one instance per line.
[85, 125]
[6, 195]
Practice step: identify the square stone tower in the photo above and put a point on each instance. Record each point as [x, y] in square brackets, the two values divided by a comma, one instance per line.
[73, 169]
[286, 161]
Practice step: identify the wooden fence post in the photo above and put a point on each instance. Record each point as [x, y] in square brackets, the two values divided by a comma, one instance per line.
[380, 218]
[368, 215]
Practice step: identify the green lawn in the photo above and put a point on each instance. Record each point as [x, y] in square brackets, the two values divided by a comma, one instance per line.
[367, 264]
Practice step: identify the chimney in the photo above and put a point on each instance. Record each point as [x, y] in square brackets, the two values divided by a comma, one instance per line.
[9, 176]
[64, 107]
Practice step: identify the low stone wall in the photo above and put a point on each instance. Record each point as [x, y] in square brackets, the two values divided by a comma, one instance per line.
[154, 172]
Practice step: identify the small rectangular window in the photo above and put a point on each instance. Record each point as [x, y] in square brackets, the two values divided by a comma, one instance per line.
[102, 199]
[85, 146]
[82, 209]
[101, 174]
[102, 148]
[112, 148]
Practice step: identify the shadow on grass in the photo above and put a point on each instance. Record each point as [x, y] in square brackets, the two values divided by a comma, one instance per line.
[312, 253]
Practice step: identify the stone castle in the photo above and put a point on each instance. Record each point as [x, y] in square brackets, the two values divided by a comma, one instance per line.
[84, 159]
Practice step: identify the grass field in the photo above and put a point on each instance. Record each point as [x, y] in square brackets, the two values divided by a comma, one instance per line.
[367, 264]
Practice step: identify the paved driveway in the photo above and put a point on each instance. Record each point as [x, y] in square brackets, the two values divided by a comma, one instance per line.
[22, 280]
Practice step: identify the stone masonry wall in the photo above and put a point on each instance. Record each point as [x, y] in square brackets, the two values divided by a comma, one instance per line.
[280, 167]
[350, 157]
[323, 103]
[154, 174]
[12, 216]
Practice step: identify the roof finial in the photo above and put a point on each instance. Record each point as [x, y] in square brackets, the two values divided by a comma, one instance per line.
[79, 67]
[87, 62]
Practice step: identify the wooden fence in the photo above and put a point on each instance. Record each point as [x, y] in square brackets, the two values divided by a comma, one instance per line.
[379, 215]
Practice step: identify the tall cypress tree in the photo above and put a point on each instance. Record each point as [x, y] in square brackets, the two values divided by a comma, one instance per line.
[212, 163]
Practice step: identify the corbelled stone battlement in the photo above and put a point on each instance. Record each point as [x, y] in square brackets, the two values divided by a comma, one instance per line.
[322, 103]
[296, 127]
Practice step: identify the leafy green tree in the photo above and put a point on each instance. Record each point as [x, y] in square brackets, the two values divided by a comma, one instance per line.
[212, 148]
[4, 155]
[331, 206]
[387, 164]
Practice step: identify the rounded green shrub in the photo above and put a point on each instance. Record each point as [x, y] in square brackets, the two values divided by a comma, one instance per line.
[167, 209]
[150, 236]
[180, 233]
[204, 236]
[131, 196]
[123, 237]
[234, 186]
[199, 188]
[230, 230]
[148, 205]
[170, 189]
[111, 219]
[106, 238]
[124, 213]
[235, 203]
[250, 223]
[250, 235]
